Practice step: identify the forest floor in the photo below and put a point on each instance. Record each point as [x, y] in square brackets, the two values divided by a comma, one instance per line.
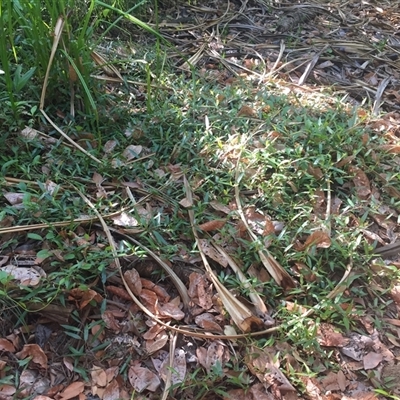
[233, 233]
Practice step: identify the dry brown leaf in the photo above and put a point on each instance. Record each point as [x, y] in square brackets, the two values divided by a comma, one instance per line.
[153, 332]
[143, 379]
[34, 351]
[212, 225]
[133, 280]
[120, 292]
[207, 322]
[6, 345]
[171, 310]
[215, 353]
[265, 365]
[111, 391]
[200, 291]
[318, 239]
[220, 207]
[361, 182]
[209, 250]
[149, 300]
[73, 390]
[161, 293]
[99, 376]
[157, 343]
[372, 360]
[110, 321]
[83, 297]
[247, 111]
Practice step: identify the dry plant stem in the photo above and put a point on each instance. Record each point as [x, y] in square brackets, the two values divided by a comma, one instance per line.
[68, 138]
[328, 206]
[57, 36]
[254, 296]
[58, 29]
[168, 380]
[278, 60]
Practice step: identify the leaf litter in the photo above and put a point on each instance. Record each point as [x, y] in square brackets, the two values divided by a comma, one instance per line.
[210, 310]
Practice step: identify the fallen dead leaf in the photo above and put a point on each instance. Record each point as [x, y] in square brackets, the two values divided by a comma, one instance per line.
[209, 357]
[157, 343]
[6, 345]
[212, 225]
[372, 360]
[142, 378]
[112, 391]
[132, 278]
[207, 322]
[34, 351]
[73, 390]
[318, 239]
[99, 376]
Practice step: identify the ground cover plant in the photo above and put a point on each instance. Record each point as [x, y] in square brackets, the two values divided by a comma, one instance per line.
[203, 218]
